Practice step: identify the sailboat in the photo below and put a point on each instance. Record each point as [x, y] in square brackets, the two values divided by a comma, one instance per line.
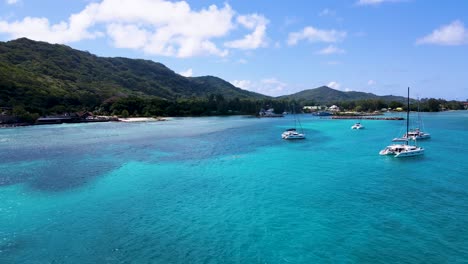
[403, 150]
[292, 133]
[415, 133]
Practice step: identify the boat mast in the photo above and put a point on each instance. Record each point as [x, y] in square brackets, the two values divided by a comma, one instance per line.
[294, 115]
[407, 120]
[420, 122]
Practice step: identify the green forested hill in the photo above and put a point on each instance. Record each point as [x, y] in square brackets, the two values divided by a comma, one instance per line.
[38, 78]
[327, 95]
[41, 76]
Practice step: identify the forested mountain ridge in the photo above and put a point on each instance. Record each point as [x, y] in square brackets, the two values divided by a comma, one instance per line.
[42, 75]
[38, 78]
[327, 95]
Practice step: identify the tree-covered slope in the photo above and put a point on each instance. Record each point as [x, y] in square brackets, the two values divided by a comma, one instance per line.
[324, 95]
[42, 75]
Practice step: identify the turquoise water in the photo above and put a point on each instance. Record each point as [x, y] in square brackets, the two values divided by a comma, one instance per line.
[229, 190]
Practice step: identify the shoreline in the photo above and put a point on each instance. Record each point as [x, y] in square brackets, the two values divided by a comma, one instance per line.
[124, 120]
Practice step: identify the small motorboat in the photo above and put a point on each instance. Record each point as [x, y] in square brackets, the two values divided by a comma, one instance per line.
[292, 134]
[357, 126]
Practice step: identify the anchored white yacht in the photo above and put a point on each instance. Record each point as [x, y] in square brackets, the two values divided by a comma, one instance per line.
[292, 134]
[403, 150]
[418, 134]
[415, 133]
[357, 126]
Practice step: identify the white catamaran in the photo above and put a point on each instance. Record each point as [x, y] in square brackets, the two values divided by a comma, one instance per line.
[292, 133]
[357, 126]
[403, 150]
[415, 133]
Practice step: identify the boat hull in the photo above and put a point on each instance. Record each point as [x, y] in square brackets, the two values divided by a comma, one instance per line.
[357, 126]
[289, 135]
[417, 135]
[425, 136]
[412, 153]
[292, 137]
[402, 151]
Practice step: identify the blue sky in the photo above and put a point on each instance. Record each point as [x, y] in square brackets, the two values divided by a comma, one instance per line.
[271, 47]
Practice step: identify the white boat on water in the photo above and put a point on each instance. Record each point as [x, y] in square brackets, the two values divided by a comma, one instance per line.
[403, 150]
[357, 126]
[415, 133]
[418, 134]
[292, 134]
[268, 113]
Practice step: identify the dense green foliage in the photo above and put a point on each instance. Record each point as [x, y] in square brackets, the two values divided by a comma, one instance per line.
[212, 105]
[37, 78]
[46, 78]
[368, 102]
[327, 95]
[435, 105]
[424, 105]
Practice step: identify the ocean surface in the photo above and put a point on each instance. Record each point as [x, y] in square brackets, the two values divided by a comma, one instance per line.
[230, 190]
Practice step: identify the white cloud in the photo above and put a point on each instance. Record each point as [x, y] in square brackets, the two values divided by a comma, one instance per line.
[252, 21]
[272, 86]
[128, 36]
[267, 86]
[327, 12]
[453, 34]
[254, 40]
[12, 2]
[371, 82]
[187, 73]
[374, 2]
[369, 2]
[360, 34]
[330, 13]
[243, 84]
[288, 21]
[334, 85]
[279, 85]
[157, 27]
[333, 62]
[316, 35]
[40, 29]
[331, 50]
[242, 61]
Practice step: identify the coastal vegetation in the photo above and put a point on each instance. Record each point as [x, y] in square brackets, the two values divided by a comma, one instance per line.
[327, 95]
[214, 104]
[424, 105]
[38, 78]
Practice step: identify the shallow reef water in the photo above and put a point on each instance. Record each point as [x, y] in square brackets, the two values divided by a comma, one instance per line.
[230, 190]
